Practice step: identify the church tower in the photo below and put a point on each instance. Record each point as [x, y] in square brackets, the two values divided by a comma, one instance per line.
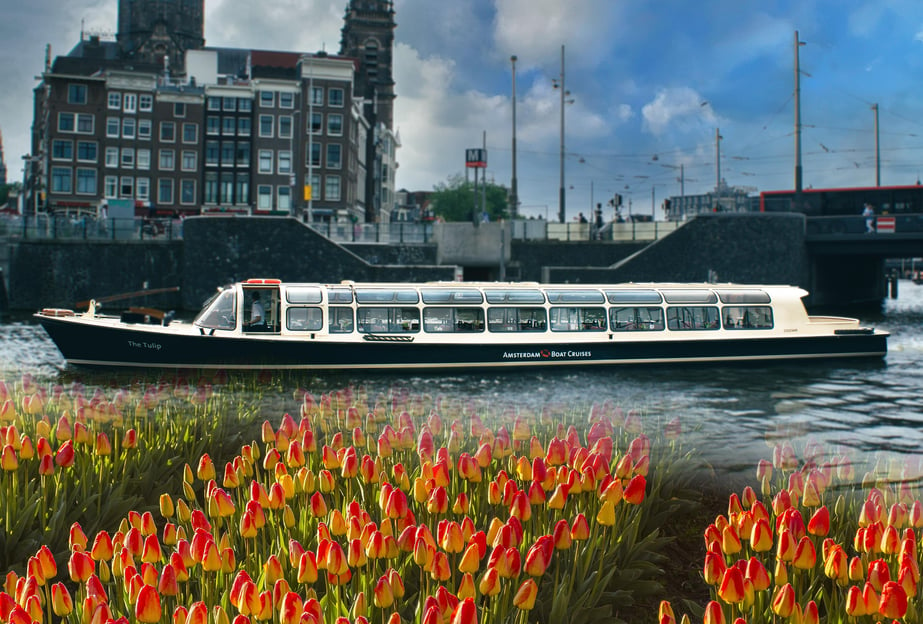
[150, 30]
[368, 36]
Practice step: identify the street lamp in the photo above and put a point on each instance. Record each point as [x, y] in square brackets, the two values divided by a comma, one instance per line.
[559, 84]
[293, 175]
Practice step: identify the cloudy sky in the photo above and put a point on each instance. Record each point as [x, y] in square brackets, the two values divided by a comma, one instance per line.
[650, 84]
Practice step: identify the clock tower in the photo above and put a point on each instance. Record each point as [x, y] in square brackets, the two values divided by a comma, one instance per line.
[152, 30]
[368, 37]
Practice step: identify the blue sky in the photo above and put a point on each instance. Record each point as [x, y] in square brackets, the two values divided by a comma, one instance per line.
[650, 83]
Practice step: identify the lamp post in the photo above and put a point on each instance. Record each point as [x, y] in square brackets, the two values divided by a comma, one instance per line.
[293, 175]
[514, 191]
[310, 127]
[559, 84]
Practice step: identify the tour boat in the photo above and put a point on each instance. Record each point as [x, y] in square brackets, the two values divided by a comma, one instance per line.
[462, 325]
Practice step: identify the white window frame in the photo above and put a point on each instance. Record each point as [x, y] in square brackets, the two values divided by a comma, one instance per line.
[111, 187]
[163, 126]
[143, 159]
[189, 154]
[145, 102]
[328, 195]
[112, 157]
[182, 185]
[145, 129]
[126, 181]
[161, 183]
[284, 162]
[167, 156]
[195, 132]
[127, 158]
[265, 156]
[62, 142]
[272, 126]
[129, 128]
[130, 102]
[264, 197]
[114, 100]
[267, 102]
[284, 198]
[285, 95]
[82, 117]
[86, 160]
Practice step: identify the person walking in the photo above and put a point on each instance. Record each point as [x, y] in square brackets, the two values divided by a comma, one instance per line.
[869, 213]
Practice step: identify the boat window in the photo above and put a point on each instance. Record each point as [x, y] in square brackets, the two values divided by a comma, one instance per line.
[388, 320]
[574, 296]
[578, 319]
[690, 296]
[743, 296]
[747, 317]
[381, 295]
[339, 320]
[304, 319]
[303, 294]
[219, 311]
[453, 319]
[451, 295]
[681, 318]
[633, 296]
[339, 295]
[519, 295]
[636, 319]
[516, 319]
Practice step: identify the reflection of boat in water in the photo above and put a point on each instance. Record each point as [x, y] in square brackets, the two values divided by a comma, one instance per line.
[464, 325]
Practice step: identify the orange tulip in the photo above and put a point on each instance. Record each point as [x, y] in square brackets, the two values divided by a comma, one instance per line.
[879, 574]
[61, 601]
[466, 612]
[819, 524]
[783, 602]
[147, 608]
[526, 595]
[805, 555]
[715, 567]
[893, 602]
[580, 528]
[757, 574]
[80, 566]
[383, 596]
[634, 491]
[732, 585]
[714, 614]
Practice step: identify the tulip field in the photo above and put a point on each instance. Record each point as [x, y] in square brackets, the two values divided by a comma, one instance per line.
[213, 501]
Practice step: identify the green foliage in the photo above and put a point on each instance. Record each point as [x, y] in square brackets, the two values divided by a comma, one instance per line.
[455, 200]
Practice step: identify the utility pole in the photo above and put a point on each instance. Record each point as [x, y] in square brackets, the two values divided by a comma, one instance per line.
[514, 191]
[877, 150]
[561, 197]
[798, 182]
[718, 138]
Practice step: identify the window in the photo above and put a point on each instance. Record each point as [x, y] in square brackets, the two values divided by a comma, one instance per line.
[227, 153]
[112, 157]
[317, 96]
[111, 187]
[61, 181]
[332, 188]
[129, 102]
[165, 191]
[242, 189]
[285, 198]
[128, 157]
[212, 152]
[315, 154]
[264, 197]
[189, 160]
[227, 187]
[127, 187]
[85, 123]
[339, 320]
[244, 105]
[285, 126]
[244, 126]
[304, 319]
[286, 100]
[285, 161]
[265, 165]
[143, 188]
[334, 156]
[113, 127]
[243, 153]
[681, 318]
[146, 102]
[87, 151]
[114, 101]
[167, 160]
[266, 126]
[578, 319]
[747, 317]
[267, 99]
[335, 97]
[315, 184]
[211, 187]
[214, 104]
[179, 109]
[213, 124]
[144, 129]
[516, 319]
[76, 94]
[229, 126]
[167, 131]
[190, 133]
[66, 122]
[128, 128]
[62, 150]
[335, 124]
[453, 319]
[389, 320]
[143, 157]
[317, 123]
[187, 192]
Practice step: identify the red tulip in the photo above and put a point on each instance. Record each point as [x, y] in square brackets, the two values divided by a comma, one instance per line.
[634, 491]
[526, 595]
[80, 566]
[783, 602]
[732, 585]
[466, 612]
[893, 602]
[819, 524]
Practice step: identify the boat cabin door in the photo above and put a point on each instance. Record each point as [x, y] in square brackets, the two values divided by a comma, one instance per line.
[261, 308]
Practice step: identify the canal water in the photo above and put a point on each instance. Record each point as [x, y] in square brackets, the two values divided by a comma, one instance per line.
[871, 411]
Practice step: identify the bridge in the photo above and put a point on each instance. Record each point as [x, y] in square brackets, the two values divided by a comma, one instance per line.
[899, 236]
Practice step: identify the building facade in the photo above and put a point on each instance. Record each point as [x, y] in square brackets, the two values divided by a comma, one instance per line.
[192, 129]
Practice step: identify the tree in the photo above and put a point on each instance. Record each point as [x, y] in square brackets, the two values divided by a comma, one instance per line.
[454, 200]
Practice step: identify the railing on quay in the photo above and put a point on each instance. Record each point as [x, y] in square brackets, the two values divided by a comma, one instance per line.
[54, 227]
[628, 231]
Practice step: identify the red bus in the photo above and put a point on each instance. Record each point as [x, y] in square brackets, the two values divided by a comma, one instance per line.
[894, 200]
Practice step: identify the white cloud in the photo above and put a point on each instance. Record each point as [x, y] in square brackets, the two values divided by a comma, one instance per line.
[679, 106]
